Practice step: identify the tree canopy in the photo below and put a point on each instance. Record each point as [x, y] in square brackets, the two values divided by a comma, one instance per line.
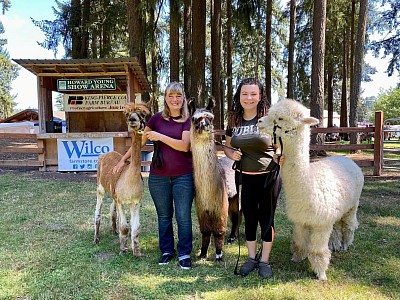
[8, 72]
[389, 103]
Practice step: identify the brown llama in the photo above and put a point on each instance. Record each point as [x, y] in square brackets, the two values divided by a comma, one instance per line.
[126, 187]
[211, 198]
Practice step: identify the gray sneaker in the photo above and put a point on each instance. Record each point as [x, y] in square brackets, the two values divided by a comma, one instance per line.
[264, 269]
[248, 266]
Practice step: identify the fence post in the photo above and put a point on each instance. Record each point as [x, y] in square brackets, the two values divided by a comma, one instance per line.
[378, 143]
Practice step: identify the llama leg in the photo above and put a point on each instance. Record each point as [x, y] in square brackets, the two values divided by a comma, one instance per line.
[299, 242]
[97, 215]
[123, 229]
[350, 224]
[318, 251]
[335, 240]
[113, 212]
[205, 242]
[234, 217]
[218, 241]
[135, 224]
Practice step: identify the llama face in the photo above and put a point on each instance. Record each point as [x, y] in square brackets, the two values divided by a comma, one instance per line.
[137, 116]
[285, 118]
[202, 120]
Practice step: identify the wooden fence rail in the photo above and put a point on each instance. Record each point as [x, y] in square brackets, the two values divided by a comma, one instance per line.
[16, 147]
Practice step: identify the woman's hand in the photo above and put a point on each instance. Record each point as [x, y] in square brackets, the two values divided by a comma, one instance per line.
[279, 159]
[153, 135]
[118, 167]
[237, 155]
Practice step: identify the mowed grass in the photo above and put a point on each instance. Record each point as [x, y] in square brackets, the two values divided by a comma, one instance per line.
[47, 251]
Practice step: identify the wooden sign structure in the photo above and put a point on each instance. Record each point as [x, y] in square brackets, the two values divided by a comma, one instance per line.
[100, 87]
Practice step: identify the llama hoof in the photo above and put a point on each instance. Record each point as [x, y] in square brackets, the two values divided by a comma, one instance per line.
[295, 259]
[137, 254]
[96, 240]
[202, 256]
[123, 251]
[322, 277]
[219, 259]
[231, 240]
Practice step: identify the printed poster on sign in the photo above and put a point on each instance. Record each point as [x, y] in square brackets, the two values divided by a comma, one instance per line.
[97, 102]
[81, 154]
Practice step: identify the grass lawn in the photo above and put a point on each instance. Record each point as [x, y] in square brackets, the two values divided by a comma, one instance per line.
[47, 250]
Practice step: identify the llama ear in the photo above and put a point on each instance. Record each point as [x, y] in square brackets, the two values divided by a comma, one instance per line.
[192, 105]
[310, 121]
[211, 104]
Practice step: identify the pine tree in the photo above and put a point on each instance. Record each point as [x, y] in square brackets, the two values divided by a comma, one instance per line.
[8, 73]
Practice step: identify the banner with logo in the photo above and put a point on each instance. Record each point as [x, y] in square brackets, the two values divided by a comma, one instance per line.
[81, 154]
[95, 102]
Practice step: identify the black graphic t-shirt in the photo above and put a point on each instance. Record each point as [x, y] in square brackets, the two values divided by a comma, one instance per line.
[254, 144]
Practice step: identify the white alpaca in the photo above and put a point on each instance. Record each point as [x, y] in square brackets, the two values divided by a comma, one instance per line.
[321, 197]
[126, 187]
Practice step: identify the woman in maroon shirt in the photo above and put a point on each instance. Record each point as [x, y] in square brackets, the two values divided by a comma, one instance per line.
[171, 175]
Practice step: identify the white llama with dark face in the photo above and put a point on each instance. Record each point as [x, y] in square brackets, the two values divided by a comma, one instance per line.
[211, 197]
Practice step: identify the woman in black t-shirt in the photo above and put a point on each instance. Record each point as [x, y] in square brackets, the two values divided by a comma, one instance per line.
[255, 149]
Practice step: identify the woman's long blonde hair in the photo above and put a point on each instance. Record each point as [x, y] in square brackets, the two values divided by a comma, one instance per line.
[175, 87]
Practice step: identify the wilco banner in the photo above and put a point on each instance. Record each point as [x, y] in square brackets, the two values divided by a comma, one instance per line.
[81, 154]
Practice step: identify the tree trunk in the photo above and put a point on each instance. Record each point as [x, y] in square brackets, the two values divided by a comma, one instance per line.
[75, 23]
[154, 63]
[268, 69]
[198, 51]
[85, 29]
[174, 40]
[343, 101]
[187, 58]
[330, 97]
[358, 64]
[216, 62]
[228, 54]
[289, 92]
[352, 29]
[136, 37]
[317, 71]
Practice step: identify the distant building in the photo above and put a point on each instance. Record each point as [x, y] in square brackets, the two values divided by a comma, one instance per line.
[27, 121]
[335, 120]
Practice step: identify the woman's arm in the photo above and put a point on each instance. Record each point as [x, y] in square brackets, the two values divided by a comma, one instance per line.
[118, 167]
[229, 151]
[128, 153]
[180, 145]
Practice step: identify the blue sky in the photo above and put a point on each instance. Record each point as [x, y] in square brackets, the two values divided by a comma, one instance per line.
[23, 36]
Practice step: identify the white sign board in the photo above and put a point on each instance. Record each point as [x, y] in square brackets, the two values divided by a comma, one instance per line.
[81, 154]
[86, 84]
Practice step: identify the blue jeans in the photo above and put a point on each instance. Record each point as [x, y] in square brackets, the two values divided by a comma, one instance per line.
[169, 193]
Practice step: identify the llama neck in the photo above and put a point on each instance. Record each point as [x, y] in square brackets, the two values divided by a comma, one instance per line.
[297, 162]
[136, 159]
[203, 150]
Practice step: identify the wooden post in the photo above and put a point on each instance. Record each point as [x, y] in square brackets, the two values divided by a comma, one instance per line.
[133, 86]
[45, 102]
[378, 143]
